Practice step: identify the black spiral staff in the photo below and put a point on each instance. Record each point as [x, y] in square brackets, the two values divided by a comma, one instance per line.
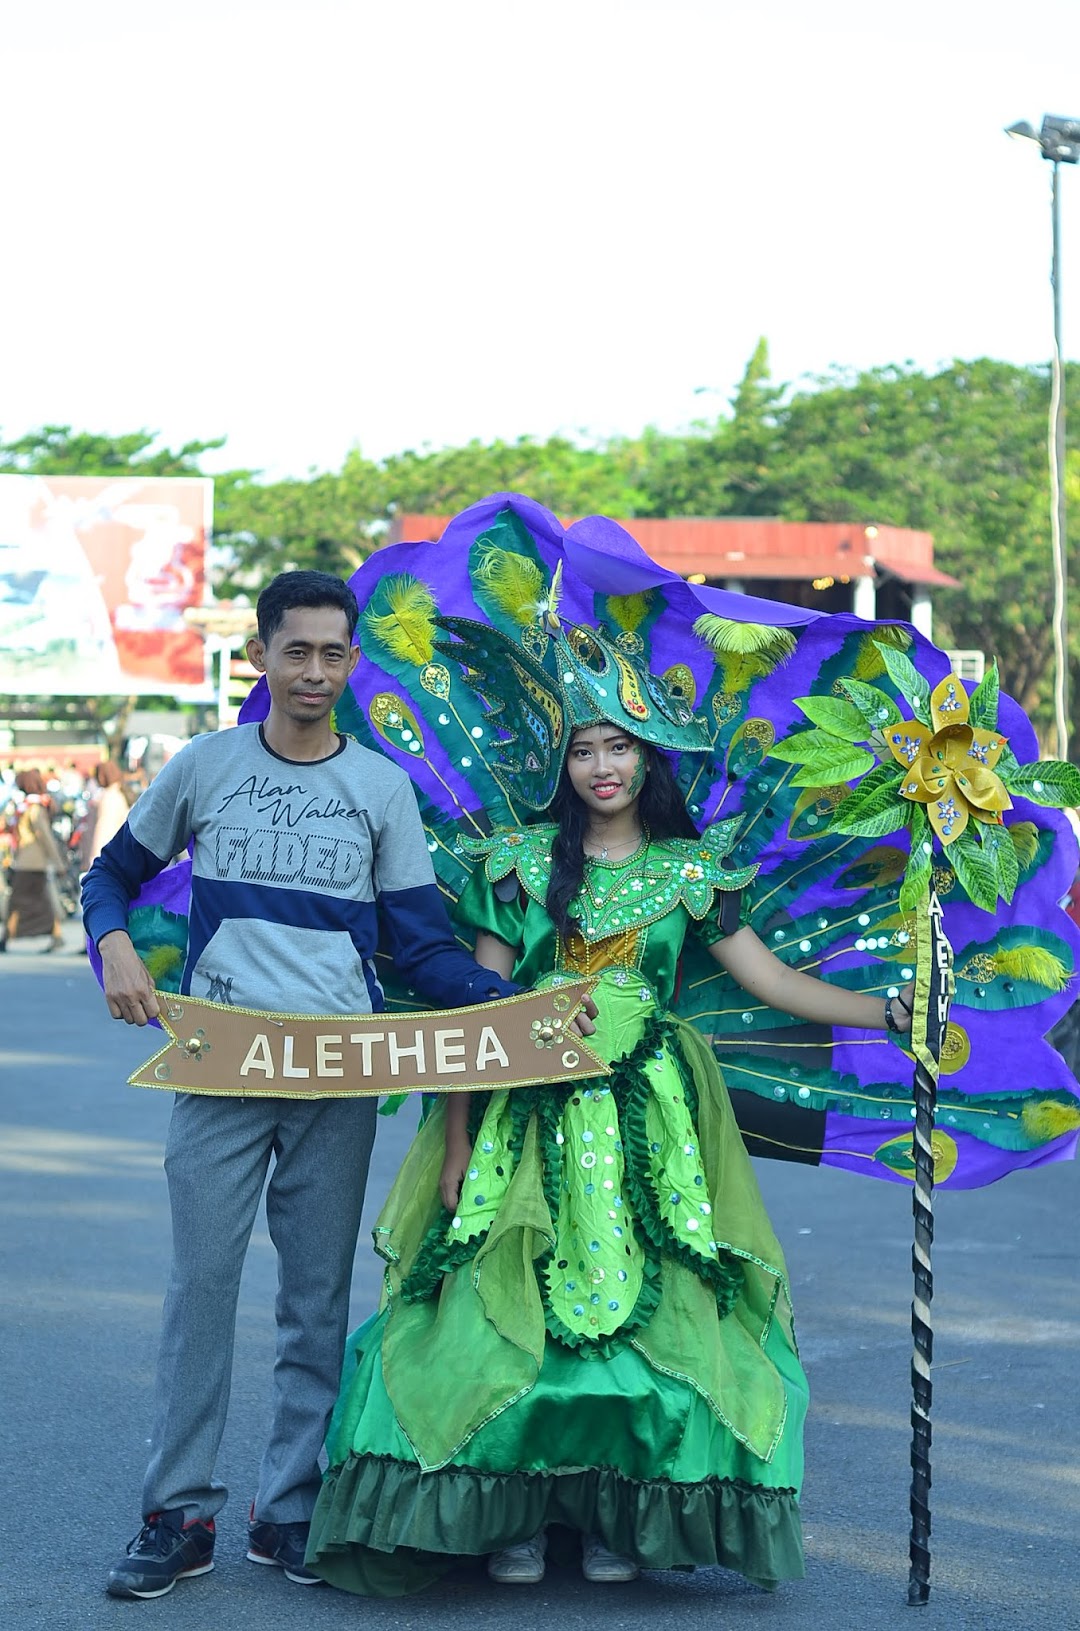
[928, 1032]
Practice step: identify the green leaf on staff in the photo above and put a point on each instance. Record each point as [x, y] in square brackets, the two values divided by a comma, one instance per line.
[825, 758]
[908, 681]
[836, 716]
[877, 708]
[976, 870]
[1008, 764]
[805, 747]
[920, 865]
[878, 792]
[844, 764]
[983, 705]
[999, 848]
[891, 816]
[1050, 782]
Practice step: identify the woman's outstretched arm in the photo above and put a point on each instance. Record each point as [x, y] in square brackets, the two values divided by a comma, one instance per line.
[792, 992]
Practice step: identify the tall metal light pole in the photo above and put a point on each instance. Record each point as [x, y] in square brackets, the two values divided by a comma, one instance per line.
[1059, 142]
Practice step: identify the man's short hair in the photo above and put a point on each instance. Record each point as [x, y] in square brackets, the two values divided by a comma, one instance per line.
[291, 589]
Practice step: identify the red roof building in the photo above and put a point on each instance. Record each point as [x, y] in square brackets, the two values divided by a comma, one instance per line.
[829, 566]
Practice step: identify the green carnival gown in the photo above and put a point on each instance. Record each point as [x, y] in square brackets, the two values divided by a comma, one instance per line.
[601, 1335]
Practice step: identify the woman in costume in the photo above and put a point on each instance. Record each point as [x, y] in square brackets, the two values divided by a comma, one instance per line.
[589, 1321]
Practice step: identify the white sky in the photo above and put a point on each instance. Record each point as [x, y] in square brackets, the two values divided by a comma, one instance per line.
[401, 222]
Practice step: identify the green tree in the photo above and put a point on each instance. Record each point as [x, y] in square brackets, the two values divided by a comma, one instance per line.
[331, 521]
[57, 450]
[566, 478]
[753, 440]
[327, 523]
[960, 454]
[725, 466]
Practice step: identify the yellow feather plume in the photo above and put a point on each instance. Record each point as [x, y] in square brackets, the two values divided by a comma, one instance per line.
[407, 630]
[726, 638]
[744, 651]
[161, 961]
[1025, 838]
[628, 611]
[1032, 963]
[514, 583]
[869, 663]
[1049, 1119]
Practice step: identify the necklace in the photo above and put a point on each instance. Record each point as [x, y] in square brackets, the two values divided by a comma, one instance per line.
[604, 852]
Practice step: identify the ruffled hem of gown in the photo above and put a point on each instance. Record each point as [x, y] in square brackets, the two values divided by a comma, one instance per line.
[384, 1528]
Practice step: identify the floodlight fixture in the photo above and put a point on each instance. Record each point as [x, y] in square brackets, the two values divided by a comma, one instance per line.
[1058, 140]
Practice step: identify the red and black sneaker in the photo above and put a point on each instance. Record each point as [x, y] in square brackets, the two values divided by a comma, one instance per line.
[165, 1550]
[282, 1545]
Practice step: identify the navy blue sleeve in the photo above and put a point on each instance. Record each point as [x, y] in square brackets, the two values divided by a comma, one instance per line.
[425, 952]
[112, 883]
[158, 827]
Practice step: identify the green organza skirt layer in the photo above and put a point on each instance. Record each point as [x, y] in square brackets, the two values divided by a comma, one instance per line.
[600, 1337]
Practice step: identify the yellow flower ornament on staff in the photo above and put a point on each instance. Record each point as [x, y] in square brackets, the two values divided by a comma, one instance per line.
[928, 761]
[951, 764]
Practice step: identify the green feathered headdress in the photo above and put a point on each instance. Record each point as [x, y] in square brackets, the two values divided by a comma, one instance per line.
[541, 677]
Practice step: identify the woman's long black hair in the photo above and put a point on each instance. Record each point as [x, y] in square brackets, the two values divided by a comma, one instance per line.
[660, 807]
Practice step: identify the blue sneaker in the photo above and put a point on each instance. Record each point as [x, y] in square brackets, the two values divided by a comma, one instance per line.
[282, 1545]
[165, 1550]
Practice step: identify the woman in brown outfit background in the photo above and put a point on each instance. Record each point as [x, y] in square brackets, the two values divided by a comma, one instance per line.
[33, 906]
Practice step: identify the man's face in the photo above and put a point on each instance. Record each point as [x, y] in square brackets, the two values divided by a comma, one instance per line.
[307, 662]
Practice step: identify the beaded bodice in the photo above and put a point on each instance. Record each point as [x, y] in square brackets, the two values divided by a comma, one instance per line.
[630, 915]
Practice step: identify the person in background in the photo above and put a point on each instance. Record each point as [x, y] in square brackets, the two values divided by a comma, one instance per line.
[72, 781]
[106, 815]
[33, 906]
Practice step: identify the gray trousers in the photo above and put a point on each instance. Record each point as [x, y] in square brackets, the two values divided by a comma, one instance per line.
[217, 1156]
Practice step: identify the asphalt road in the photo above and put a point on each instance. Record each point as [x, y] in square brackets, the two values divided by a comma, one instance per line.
[83, 1257]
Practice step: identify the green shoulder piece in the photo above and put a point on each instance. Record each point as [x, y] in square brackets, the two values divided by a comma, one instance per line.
[524, 850]
[698, 866]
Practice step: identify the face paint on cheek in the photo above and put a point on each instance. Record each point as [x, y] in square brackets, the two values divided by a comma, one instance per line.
[637, 780]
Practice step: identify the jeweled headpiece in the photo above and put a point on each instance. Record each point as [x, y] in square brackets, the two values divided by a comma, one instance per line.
[552, 676]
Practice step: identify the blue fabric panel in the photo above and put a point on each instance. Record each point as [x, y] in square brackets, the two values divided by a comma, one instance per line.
[212, 901]
[115, 878]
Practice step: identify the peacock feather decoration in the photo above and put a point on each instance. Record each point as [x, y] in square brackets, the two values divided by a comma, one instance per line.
[778, 719]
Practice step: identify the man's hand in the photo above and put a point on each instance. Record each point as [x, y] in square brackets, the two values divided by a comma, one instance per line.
[583, 1023]
[129, 990]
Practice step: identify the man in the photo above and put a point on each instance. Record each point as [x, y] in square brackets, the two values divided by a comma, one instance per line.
[302, 842]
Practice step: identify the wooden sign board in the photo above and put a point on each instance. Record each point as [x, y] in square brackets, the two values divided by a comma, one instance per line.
[249, 1053]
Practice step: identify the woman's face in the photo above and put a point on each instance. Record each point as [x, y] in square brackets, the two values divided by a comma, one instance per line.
[606, 767]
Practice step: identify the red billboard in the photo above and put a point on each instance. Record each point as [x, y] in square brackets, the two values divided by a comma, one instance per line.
[95, 576]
